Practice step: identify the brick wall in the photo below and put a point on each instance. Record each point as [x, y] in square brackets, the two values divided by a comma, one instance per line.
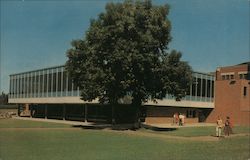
[165, 114]
[229, 98]
[157, 120]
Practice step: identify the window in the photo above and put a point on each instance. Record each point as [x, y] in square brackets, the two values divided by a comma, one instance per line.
[198, 87]
[208, 87]
[59, 81]
[194, 86]
[227, 76]
[212, 88]
[24, 85]
[232, 76]
[11, 87]
[188, 90]
[223, 77]
[191, 113]
[243, 76]
[18, 85]
[74, 87]
[245, 91]
[49, 82]
[54, 82]
[203, 87]
[64, 88]
[37, 84]
[45, 90]
[33, 83]
[15, 86]
[29, 85]
[41, 83]
[69, 84]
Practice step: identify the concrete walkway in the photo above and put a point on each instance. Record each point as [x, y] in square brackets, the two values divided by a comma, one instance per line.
[169, 125]
[75, 123]
[89, 124]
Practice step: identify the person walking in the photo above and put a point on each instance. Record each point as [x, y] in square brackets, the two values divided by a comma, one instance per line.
[181, 119]
[231, 126]
[219, 126]
[228, 127]
[175, 119]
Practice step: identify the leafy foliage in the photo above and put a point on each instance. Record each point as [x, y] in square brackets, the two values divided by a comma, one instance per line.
[125, 53]
[3, 98]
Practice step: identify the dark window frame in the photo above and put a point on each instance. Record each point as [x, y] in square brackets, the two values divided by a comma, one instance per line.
[244, 91]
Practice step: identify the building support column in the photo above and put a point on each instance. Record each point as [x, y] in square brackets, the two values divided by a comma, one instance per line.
[19, 110]
[85, 113]
[46, 111]
[113, 121]
[64, 111]
[31, 110]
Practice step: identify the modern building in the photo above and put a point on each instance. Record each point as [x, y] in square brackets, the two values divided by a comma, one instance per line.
[50, 93]
[232, 94]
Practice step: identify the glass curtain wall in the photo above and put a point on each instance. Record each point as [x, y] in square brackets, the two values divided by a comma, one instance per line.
[55, 82]
[50, 82]
[201, 89]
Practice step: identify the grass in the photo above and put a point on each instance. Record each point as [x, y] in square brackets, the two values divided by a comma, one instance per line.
[199, 131]
[12, 123]
[82, 144]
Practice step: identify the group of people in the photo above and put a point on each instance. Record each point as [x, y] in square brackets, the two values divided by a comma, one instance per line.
[227, 126]
[178, 119]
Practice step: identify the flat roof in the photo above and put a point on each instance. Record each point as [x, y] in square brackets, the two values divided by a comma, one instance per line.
[37, 70]
[47, 68]
[235, 66]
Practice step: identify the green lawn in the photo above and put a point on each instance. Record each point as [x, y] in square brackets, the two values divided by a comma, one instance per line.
[199, 131]
[12, 123]
[63, 143]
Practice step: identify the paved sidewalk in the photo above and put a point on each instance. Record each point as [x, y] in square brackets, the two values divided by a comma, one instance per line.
[75, 123]
[89, 124]
[169, 125]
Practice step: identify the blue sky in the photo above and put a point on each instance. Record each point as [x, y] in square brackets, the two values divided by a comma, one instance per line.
[36, 34]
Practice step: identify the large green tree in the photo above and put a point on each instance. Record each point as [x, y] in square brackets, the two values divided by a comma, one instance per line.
[125, 52]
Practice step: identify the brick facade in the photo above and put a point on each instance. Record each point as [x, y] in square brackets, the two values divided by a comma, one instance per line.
[156, 115]
[232, 94]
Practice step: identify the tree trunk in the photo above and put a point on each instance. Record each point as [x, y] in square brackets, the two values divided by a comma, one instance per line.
[137, 104]
[113, 122]
[113, 104]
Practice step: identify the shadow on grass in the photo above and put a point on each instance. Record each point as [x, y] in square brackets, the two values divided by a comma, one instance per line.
[154, 128]
[94, 126]
[122, 127]
[97, 126]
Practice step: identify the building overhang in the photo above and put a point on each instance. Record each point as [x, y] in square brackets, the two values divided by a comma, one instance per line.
[50, 100]
[77, 100]
[182, 103]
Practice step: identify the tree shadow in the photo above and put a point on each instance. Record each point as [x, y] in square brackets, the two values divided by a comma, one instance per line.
[122, 127]
[154, 128]
[93, 126]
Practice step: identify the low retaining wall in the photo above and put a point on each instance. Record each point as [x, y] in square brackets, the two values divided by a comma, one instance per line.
[154, 120]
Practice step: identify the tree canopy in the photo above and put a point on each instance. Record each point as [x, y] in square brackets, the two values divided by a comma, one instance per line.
[125, 52]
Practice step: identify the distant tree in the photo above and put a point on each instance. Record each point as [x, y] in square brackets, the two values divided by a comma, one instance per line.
[125, 53]
[3, 98]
